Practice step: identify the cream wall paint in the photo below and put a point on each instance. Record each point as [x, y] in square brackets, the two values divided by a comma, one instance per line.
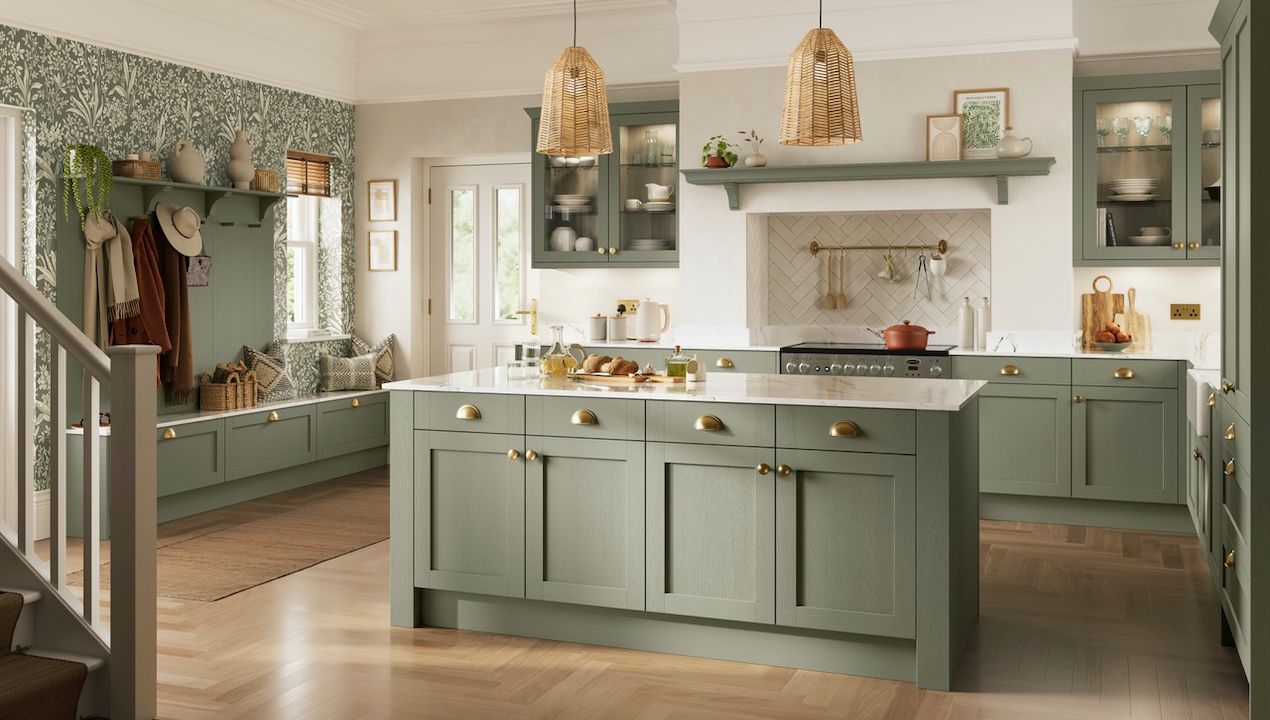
[1158, 287]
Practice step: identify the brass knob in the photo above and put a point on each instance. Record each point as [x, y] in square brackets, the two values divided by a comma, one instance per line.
[784, 470]
[1212, 399]
[1230, 560]
[531, 455]
[724, 363]
[1230, 432]
[357, 402]
[272, 416]
[1123, 374]
[1179, 246]
[584, 417]
[169, 433]
[1229, 470]
[1078, 399]
[845, 428]
[708, 423]
[1227, 386]
[467, 412]
[602, 250]
[612, 251]
[1010, 370]
[1197, 454]
[513, 454]
[1193, 245]
[763, 469]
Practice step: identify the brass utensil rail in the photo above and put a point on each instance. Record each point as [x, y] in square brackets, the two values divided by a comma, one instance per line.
[940, 247]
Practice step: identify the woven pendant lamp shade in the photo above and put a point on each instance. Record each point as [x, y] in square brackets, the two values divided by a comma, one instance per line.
[575, 107]
[820, 99]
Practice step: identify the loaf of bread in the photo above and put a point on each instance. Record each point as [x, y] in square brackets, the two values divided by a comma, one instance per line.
[608, 366]
[593, 362]
[625, 367]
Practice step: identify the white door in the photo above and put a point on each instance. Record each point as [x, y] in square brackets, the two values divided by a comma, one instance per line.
[479, 265]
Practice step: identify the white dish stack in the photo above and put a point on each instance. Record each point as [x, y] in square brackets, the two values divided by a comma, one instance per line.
[1133, 189]
[570, 203]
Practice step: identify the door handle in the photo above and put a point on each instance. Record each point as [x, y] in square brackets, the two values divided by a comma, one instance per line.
[1229, 470]
[1010, 370]
[532, 312]
[1230, 432]
[784, 470]
[1078, 399]
[513, 454]
[724, 363]
[763, 469]
[1123, 374]
[1230, 560]
[584, 417]
[846, 428]
[169, 433]
[532, 455]
[467, 412]
[272, 416]
[357, 402]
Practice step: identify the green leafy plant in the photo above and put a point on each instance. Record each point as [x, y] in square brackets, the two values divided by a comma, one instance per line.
[718, 146]
[87, 178]
[752, 137]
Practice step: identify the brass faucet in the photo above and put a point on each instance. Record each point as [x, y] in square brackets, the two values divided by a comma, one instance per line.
[532, 312]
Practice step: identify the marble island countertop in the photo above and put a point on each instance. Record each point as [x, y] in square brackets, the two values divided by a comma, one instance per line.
[753, 388]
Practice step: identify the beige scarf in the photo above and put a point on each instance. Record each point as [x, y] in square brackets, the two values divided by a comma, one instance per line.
[110, 277]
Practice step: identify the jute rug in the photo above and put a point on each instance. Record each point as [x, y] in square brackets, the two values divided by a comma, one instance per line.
[232, 558]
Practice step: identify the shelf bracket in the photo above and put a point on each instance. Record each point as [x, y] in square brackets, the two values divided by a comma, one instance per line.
[1003, 189]
[152, 194]
[734, 195]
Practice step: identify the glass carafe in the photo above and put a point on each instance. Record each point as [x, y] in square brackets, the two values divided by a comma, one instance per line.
[559, 361]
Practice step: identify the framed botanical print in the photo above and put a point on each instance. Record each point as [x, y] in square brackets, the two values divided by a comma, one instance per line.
[943, 137]
[985, 116]
[381, 199]
[381, 251]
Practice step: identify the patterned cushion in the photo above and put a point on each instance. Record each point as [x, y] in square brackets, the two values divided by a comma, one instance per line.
[383, 355]
[355, 373]
[273, 378]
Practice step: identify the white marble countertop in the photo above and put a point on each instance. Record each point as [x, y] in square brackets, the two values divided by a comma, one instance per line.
[1074, 353]
[753, 388]
[1201, 350]
[668, 346]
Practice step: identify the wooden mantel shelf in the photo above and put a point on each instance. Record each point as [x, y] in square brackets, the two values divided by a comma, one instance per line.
[154, 191]
[733, 178]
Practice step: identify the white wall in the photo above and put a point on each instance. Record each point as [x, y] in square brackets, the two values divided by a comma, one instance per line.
[1119, 27]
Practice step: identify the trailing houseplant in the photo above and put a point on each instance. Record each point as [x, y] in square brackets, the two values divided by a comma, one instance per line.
[718, 153]
[756, 158]
[86, 177]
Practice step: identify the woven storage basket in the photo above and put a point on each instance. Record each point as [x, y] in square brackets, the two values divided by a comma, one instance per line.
[236, 393]
[141, 169]
[266, 180]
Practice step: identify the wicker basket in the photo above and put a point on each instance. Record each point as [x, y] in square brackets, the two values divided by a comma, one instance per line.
[266, 180]
[236, 393]
[141, 169]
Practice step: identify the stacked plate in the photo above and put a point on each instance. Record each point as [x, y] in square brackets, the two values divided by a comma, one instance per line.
[649, 244]
[1133, 189]
[659, 206]
[570, 203]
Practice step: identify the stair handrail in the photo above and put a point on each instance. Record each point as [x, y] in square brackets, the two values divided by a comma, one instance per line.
[47, 316]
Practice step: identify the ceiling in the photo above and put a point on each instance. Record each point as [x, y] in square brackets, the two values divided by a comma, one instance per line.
[371, 14]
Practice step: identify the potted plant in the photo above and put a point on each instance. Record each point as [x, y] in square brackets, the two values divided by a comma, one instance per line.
[755, 158]
[718, 153]
[87, 179]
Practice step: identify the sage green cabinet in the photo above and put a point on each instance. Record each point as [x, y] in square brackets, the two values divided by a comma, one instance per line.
[269, 440]
[1025, 439]
[711, 520]
[469, 509]
[1199, 488]
[1237, 209]
[1126, 444]
[351, 424]
[584, 521]
[845, 542]
[189, 456]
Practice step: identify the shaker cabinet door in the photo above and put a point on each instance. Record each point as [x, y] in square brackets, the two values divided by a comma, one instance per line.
[1125, 444]
[1025, 439]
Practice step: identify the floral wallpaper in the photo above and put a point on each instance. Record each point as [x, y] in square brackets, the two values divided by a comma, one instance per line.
[75, 93]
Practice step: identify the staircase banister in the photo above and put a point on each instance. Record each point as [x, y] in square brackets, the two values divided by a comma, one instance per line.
[48, 317]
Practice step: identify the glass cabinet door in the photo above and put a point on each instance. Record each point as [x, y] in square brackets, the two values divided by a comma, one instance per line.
[1135, 185]
[645, 163]
[1203, 181]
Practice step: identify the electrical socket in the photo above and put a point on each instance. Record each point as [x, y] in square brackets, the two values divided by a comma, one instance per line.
[1184, 311]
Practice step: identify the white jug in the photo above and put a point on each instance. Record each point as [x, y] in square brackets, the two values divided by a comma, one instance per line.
[651, 320]
[659, 193]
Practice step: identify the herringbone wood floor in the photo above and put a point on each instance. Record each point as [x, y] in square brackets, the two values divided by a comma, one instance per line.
[1077, 623]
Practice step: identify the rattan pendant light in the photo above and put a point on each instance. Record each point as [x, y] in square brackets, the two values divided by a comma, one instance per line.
[820, 97]
[575, 104]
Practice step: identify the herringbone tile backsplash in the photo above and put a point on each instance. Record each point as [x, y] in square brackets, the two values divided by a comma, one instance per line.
[797, 284]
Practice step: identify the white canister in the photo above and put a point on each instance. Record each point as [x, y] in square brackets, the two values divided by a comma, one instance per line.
[965, 325]
[983, 323]
[617, 327]
[597, 328]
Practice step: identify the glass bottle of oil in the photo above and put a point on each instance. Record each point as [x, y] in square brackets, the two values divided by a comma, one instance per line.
[677, 363]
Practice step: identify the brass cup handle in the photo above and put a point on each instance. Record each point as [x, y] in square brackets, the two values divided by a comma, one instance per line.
[763, 469]
[845, 428]
[467, 412]
[708, 423]
[724, 363]
[1229, 470]
[1230, 560]
[584, 417]
[357, 402]
[1078, 399]
[169, 433]
[1230, 432]
[1212, 399]
[513, 454]
[602, 250]
[784, 470]
[1123, 374]
[272, 416]
[531, 455]
[1010, 370]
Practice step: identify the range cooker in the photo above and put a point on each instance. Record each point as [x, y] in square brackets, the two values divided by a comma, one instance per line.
[831, 358]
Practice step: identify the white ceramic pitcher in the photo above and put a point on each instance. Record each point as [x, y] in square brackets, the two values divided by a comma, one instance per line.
[651, 320]
[659, 193]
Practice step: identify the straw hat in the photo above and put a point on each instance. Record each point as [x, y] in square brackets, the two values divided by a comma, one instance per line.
[181, 226]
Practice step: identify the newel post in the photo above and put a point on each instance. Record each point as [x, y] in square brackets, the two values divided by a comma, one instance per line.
[133, 523]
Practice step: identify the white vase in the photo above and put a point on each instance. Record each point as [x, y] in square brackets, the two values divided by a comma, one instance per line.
[756, 160]
[241, 169]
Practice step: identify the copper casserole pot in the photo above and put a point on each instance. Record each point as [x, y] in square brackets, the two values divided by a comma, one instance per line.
[906, 336]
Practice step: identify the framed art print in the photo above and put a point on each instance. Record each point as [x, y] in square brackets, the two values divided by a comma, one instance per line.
[381, 251]
[943, 137]
[382, 200]
[985, 116]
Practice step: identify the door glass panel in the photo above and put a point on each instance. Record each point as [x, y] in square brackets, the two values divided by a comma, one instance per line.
[1210, 172]
[508, 275]
[646, 187]
[463, 255]
[572, 196]
[1135, 173]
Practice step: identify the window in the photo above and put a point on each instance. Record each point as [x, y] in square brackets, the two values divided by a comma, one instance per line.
[302, 262]
[509, 274]
[308, 173]
[463, 255]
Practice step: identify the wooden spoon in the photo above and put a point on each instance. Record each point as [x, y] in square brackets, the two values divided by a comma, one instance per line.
[842, 274]
[831, 300]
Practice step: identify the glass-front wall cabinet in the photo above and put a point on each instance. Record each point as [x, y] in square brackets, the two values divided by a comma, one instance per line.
[617, 209]
[1147, 161]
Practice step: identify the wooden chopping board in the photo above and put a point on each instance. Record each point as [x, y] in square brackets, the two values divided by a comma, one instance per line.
[1135, 323]
[623, 379]
[1097, 309]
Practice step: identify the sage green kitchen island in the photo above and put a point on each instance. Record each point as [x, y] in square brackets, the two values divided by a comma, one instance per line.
[825, 523]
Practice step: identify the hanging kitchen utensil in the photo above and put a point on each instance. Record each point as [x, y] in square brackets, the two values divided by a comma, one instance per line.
[1097, 309]
[842, 274]
[831, 301]
[888, 267]
[923, 273]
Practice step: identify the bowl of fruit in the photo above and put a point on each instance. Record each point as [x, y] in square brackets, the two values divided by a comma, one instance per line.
[1112, 338]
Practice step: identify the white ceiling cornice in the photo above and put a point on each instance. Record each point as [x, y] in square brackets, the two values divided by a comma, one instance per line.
[361, 15]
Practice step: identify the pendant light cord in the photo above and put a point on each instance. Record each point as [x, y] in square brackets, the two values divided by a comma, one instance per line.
[819, 20]
[575, 23]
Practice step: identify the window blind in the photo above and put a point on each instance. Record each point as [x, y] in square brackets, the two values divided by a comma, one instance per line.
[308, 173]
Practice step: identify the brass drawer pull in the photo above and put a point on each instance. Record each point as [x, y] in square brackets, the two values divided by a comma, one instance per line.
[169, 433]
[513, 454]
[1123, 374]
[584, 417]
[1010, 370]
[763, 469]
[708, 423]
[468, 412]
[1227, 386]
[1078, 399]
[272, 416]
[1229, 470]
[1197, 454]
[845, 428]
[531, 455]
[1212, 399]
[724, 363]
[784, 470]
[1230, 560]
[1230, 432]
[357, 402]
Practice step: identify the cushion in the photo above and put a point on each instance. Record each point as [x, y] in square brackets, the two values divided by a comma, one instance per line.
[273, 378]
[355, 373]
[383, 355]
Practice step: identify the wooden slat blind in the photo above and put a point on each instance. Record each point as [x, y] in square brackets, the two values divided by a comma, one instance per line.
[308, 173]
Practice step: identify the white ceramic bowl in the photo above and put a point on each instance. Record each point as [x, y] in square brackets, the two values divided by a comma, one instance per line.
[1148, 240]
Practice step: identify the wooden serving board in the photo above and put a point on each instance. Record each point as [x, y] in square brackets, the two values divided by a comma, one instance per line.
[1136, 324]
[1097, 309]
[609, 379]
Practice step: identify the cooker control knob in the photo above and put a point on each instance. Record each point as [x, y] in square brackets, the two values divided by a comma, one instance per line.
[791, 367]
[875, 369]
[803, 367]
[861, 369]
[835, 369]
[936, 371]
[888, 370]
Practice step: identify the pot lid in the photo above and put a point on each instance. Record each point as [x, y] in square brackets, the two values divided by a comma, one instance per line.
[908, 328]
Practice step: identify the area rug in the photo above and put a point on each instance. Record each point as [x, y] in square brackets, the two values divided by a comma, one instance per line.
[226, 561]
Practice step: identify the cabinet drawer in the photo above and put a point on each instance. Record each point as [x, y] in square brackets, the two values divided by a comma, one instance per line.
[189, 456]
[738, 361]
[855, 429]
[589, 417]
[1233, 436]
[470, 412]
[1123, 372]
[1236, 596]
[707, 423]
[1016, 370]
[268, 440]
[347, 425]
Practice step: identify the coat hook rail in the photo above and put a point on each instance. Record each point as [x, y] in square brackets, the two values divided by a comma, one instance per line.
[940, 247]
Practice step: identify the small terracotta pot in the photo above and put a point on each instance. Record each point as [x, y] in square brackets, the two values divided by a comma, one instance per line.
[714, 161]
[906, 336]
